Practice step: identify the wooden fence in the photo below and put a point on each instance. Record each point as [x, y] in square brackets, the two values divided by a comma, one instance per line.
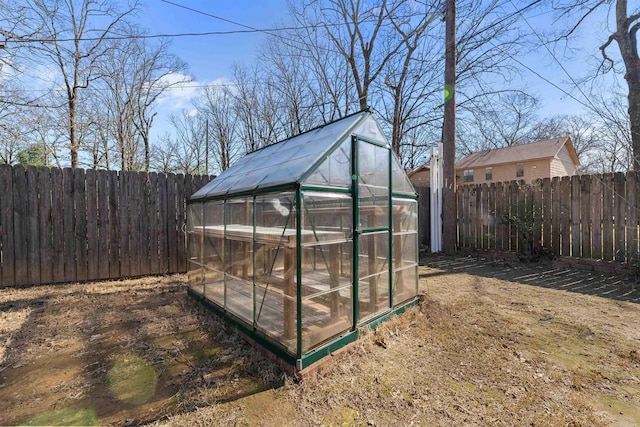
[589, 216]
[66, 225]
[424, 216]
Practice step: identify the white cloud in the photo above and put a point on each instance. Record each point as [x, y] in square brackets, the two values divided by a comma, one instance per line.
[184, 90]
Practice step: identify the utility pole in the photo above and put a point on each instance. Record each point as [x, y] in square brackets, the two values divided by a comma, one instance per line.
[449, 202]
[206, 147]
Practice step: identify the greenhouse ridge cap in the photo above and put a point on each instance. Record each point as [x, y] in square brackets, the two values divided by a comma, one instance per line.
[364, 110]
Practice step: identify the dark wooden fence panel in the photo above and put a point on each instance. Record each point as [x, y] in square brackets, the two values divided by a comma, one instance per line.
[74, 225]
[20, 226]
[7, 267]
[590, 216]
[57, 225]
[424, 216]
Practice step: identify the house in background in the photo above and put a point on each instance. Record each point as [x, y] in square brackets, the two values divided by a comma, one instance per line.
[528, 162]
[420, 177]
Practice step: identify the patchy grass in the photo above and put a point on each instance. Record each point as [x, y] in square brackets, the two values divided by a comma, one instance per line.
[477, 351]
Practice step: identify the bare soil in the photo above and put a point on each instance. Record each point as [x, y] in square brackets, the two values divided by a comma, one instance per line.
[490, 344]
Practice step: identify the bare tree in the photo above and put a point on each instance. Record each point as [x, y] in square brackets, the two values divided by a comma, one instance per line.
[624, 33]
[216, 106]
[153, 71]
[256, 108]
[186, 146]
[502, 120]
[69, 35]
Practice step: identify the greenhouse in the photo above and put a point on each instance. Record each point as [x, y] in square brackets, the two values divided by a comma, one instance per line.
[302, 242]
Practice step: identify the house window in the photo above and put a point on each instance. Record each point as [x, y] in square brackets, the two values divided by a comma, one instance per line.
[468, 175]
[519, 170]
[488, 174]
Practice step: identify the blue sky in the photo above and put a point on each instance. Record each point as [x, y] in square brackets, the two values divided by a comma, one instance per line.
[210, 57]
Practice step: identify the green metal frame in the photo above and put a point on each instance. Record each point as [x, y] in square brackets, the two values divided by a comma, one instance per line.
[356, 232]
[298, 358]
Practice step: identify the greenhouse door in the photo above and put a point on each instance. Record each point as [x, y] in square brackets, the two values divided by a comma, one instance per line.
[372, 228]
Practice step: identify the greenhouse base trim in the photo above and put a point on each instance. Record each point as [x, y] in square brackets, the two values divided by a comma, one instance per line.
[308, 363]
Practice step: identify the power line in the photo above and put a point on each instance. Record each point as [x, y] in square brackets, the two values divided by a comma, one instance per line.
[590, 105]
[148, 36]
[555, 58]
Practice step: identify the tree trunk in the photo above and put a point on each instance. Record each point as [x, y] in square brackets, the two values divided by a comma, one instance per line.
[449, 201]
[73, 132]
[626, 32]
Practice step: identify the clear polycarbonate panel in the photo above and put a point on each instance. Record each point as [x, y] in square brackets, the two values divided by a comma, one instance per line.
[405, 284]
[324, 316]
[276, 211]
[405, 266]
[214, 286]
[373, 273]
[405, 249]
[239, 298]
[275, 315]
[373, 207]
[405, 215]
[399, 180]
[373, 164]
[275, 266]
[326, 267]
[194, 247]
[326, 217]
[370, 129]
[238, 257]
[335, 171]
[373, 186]
[213, 251]
[299, 153]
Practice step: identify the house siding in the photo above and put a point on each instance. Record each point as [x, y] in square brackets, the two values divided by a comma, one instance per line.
[563, 165]
[534, 169]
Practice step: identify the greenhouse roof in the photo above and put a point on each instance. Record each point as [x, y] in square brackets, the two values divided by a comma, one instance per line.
[288, 161]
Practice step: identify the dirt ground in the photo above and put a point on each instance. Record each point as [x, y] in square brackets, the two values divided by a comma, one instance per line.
[490, 344]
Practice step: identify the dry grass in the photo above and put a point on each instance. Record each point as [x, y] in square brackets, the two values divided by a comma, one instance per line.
[476, 351]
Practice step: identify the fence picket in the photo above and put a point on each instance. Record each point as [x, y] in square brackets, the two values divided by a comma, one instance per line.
[536, 212]
[57, 225]
[123, 215]
[596, 216]
[619, 212]
[80, 201]
[104, 226]
[93, 242]
[585, 216]
[556, 229]
[172, 233]
[565, 214]
[500, 212]
[45, 232]
[20, 192]
[182, 187]
[114, 225]
[135, 203]
[7, 267]
[575, 215]
[632, 216]
[491, 216]
[153, 223]
[607, 217]
[546, 213]
[163, 250]
[33, 226]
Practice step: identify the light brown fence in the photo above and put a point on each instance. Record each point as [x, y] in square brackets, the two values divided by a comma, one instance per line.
[66, 225]
[589, 216]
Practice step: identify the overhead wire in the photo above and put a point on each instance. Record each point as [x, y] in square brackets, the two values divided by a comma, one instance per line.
[590, 105]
